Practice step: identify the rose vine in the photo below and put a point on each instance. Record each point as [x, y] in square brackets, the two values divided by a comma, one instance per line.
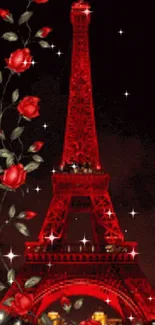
[14, 174]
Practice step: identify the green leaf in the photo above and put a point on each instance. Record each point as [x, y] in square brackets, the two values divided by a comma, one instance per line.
[12, 211]
[9, 19]
[15, 95]
[44, 44]
[37, 158]
[17, 132]
[45, 320]
[1, 77]
[31, 167]
[11, 276]
[31, 148]
[4, 153]
[7, 188]
[21, 215]
[67, 308]
[26, 118]
[10, 36]
[78, 303]
[25, 17]
[38, 33]
[32, 282]
[8, 301]
[10, 160]
[22, 229]
[2, 286]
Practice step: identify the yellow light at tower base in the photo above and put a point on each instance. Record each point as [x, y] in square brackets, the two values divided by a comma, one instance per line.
[100, 316]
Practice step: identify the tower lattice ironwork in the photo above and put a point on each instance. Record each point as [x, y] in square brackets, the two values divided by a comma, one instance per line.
[106, 269]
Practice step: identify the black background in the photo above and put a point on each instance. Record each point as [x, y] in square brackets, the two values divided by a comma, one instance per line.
[125, 126]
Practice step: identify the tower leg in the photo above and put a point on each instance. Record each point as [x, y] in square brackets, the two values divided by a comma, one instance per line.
[56, 218]
[106, 217]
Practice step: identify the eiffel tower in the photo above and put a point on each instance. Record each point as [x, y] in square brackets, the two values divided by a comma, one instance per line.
[108, 268]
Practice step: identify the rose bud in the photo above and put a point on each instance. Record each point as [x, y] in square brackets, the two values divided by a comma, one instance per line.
[20, 60]
[65, 301]
[4, 13]
[36, 146]
[43, 32]
[30, 215]
[28, 107]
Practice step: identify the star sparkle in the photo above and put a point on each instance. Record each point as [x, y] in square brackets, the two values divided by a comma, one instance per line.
[59, 53]
[133, 213]
[84, 240]
[150, 298]
[133, 253]
[37, 189]
[25, 62]
[87, 11]
[11, 255]
[126, 94]
[45, 126]
[52, 46]
[53, 171]
[51, 238]
[107, 301]
[131, 318]
[33, 62]
[10, 281]
[49, 265]
[120, 32]
[73, 166]
[109, 213]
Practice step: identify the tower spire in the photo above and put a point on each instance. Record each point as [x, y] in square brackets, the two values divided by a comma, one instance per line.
[80, 143]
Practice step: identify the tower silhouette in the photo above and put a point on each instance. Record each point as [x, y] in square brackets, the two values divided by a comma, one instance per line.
[108, 267]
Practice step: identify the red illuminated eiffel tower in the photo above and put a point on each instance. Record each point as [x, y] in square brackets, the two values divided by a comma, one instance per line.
[106, 269]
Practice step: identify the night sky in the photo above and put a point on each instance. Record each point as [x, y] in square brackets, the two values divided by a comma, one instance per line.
[125, 125]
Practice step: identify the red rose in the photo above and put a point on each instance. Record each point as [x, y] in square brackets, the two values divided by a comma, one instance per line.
[40, 1]
[30, 214]
[28, 106]
[14, 176]
[4, 13]
[45, 31]
[20, 60]
[22, 303]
